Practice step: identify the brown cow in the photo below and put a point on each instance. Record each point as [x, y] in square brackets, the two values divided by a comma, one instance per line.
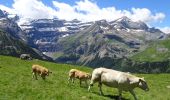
[82, 76]
[42, 71]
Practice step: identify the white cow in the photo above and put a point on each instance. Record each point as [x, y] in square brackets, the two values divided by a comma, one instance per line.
[116, 79]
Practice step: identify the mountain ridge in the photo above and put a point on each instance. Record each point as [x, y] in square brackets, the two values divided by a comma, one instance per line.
[54, 29]
[102, 41]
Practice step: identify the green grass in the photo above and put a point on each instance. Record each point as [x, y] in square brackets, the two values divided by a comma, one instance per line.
[153, 53]
[57, 54]
[16, 83]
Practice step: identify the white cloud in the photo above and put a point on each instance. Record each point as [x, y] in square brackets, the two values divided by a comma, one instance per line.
[89, 11]
[146, 15]
[165, 29]
[65, 11]
[9, 10]
[84, 10]
[32, 9]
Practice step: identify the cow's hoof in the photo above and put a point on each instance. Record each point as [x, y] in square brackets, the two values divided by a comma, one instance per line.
[101, 94]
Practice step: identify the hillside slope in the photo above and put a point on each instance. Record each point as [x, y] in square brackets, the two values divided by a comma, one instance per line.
[154, 59]
[12, 46]
[16, 83]
[157, 51]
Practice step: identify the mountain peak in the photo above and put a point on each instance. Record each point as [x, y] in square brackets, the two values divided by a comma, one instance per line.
[125, 22]
[102, 23]
[123, 19]
[75, 21]
[2, 14]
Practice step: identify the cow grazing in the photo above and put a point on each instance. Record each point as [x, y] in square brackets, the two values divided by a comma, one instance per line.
[122, 80]
[25, 57]
[40, 70]
[82, 76]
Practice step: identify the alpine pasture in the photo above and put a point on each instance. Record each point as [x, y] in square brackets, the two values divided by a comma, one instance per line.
[16, 83]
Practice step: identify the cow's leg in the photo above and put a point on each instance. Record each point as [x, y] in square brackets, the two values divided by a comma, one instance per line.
[80, 82]
[73, 80]
[91, 84]
[100, 88]
[86, 83]
[69, 79]
[120, 94]
[133, 93]
[34, 74]
[41, 74]
[43, 77]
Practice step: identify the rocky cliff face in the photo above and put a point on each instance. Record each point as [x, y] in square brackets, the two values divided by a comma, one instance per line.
[43, 33]
[13, 40]
[10, 26]
[104, 42]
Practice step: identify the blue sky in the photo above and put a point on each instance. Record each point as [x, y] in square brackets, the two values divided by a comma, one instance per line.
[153, 5]
[155, 13]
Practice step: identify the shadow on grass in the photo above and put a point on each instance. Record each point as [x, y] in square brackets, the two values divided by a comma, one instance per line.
[43, 80]
[75, 84]
[113, 97]
[48, 81]
[84, 86]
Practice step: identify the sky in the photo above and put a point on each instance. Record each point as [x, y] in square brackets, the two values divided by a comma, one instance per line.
[155, 13]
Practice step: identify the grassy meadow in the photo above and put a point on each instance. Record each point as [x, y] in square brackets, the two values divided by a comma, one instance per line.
[16, 83]
[158, 51]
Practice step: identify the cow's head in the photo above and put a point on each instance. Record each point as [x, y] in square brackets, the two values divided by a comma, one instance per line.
[88, 76]
[48, 72]
[45, 73]
[143, 84]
